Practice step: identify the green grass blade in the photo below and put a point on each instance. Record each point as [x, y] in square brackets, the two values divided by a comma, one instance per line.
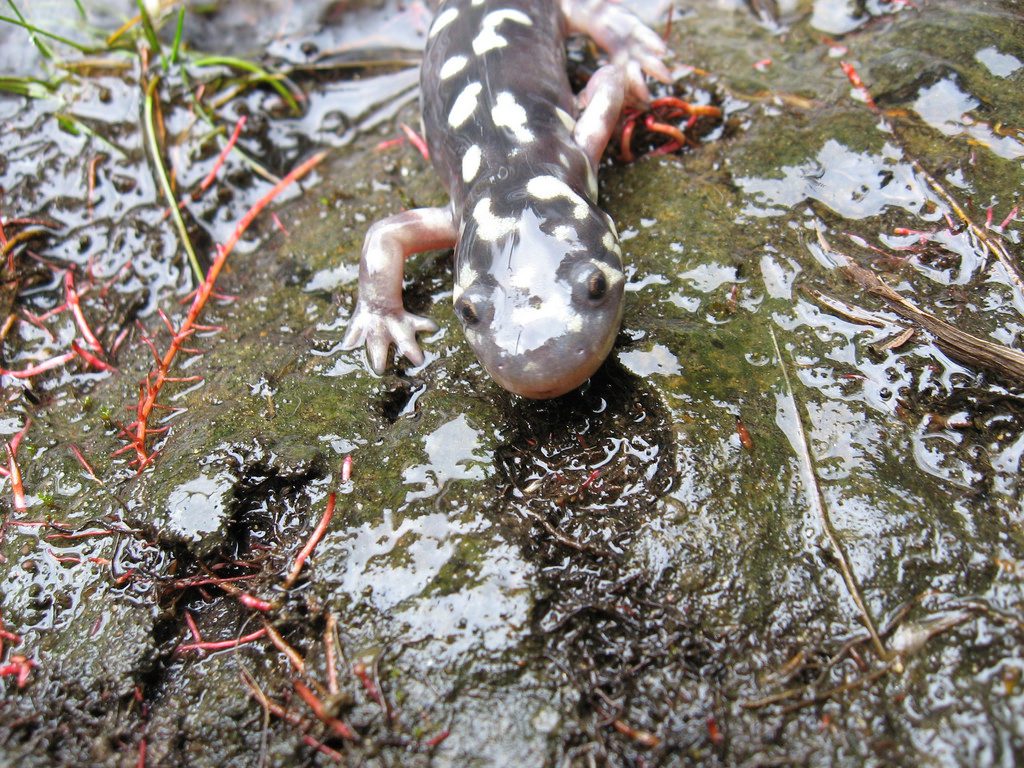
[25, 86]
[260, 75]
[77, 127]
[176, 47]
[148, 29]
[34, 30]
[165, 183]
[44, 49]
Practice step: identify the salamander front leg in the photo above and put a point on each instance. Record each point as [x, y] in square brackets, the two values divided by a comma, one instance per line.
[380, 318]
[600, 106]
[631, 44]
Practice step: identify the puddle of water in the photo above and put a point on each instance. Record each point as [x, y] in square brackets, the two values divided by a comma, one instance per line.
[945, 107]
[453, 453]
[200, 506]
[998, 63]
[658, 360]
[854, 184]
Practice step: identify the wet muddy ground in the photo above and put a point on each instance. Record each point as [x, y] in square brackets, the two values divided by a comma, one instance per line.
[782, 526]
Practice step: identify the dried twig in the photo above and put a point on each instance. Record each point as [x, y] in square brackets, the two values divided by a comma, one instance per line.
[959, 345]
[798, 439]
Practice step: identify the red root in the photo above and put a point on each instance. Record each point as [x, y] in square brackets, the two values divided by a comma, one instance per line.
[13, 471]
[435, 741]
[71, 297]
[18, 667]
[314, 703]
[851, 74]
[307, 550]
[416, 140]
[359, 670]
[254, 602]
[81, 460]
[35, 370]
[219, 645]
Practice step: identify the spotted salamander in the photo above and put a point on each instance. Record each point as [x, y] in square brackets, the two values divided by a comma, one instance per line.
[538, 268]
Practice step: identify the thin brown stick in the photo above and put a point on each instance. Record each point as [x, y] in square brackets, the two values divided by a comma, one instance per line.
[817, 500]
[850, 686]
[330, 631]
[272, 707]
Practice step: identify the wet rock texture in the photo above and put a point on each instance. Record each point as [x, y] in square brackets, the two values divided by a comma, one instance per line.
[782, 526]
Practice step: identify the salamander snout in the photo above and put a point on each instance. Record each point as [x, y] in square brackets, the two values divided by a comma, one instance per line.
[543, 335]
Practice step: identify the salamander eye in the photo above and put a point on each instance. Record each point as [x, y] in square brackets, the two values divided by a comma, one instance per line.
[589, 285]
[468, 312]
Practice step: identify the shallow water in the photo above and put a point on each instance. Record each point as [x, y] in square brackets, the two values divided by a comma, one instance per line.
[681, 563]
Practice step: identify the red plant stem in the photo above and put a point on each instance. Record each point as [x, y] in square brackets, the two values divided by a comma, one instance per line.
[81, 460]
[307, 550]
[204, 185]
[590, 478]
[16, 440]
[283, 647]
[201, 581]
[332, 667]
[14, 473]
[851, 74]
[333, 754]
[416, 140]
[152, 388]
[20, 667]
[192, 627]
[219, 645]
[434, 741]
[314, 703]
[254, 602]
[64, 558]
[79, 535]
[388, 144]
[1012, 215]
[38, 320]
[90, 358]
[71, 296]
[10, 637]
[141, 762]
[360, 671]
[34, 370]
[291, 718]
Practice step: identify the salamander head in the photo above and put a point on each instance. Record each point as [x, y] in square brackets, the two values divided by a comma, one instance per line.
[539, 287]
